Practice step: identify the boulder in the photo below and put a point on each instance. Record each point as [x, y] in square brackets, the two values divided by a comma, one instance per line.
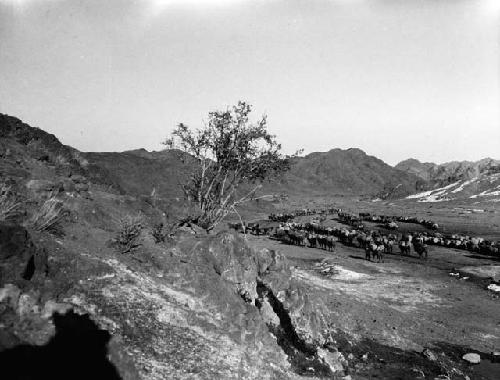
[429, 355]
[268, 314]
[77, 178]
[68, 185]
[81, 187]
[51, 307]
[28, 305]
[41, 186]
[334, 360]
[263, 278]
[19, 257]
[9, 294]
[63, 170]
[472, 358]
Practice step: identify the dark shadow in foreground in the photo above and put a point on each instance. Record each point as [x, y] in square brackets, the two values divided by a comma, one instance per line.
[77, 351]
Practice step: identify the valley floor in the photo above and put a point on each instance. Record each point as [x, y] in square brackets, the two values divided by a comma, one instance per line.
[403, 303]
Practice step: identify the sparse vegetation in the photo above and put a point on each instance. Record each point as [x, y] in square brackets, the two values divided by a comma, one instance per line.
[129, 233]
[230, 153]
[49, 217]
[161, 232]
[9, 204]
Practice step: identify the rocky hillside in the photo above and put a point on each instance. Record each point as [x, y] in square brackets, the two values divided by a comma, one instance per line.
[350, 171]
[75, 304]
[450, 172]
[140, 172]
[478, 180]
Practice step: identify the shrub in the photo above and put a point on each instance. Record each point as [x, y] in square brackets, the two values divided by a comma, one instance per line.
[9, 204]
[158, 233]
[127, 237]
[49, 217]
[162, 232]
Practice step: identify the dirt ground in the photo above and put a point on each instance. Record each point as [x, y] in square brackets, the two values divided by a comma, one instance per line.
[398, 308]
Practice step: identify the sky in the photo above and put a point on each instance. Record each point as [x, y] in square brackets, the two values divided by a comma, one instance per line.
[396, 78]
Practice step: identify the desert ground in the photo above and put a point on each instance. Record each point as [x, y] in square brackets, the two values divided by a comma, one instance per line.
[404, 306]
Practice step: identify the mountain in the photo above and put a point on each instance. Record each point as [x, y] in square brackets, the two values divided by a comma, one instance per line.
[346, 172]
[478, 180]
[447, 173]
[424, 170]
[142, 173]
[349, 172]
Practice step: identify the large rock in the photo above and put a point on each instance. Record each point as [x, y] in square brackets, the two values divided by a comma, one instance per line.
[41, 186]
[9, 295]
[19, 256]
[263, 278]
[472, 358]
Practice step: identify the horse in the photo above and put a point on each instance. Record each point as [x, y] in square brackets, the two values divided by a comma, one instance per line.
[375, 251]
[420, 248]
[330, 243]
[312, 239]
[404, 247]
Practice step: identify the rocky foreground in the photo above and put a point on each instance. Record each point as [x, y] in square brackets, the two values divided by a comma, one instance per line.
[204, 308]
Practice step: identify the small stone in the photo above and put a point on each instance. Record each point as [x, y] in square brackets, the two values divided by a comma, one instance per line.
[472, 358]
[40, 185]
[332, 359]
[10, 294]
[81, 187]
[68, 185]
[350, 356]
[27, 305]
[52, 307]
[429, 355]
[365, 357]
[77, 178]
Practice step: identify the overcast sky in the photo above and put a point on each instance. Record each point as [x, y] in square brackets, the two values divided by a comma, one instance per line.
[396, 78]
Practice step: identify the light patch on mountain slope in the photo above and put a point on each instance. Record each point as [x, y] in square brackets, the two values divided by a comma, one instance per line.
[436, 195]
[466, 183]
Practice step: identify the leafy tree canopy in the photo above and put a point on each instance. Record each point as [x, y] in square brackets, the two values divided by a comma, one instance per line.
[230, 153]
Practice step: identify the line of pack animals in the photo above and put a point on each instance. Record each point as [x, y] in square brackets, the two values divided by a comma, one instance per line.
[375, 243]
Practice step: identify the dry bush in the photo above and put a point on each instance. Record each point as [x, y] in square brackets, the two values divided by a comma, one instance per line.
[82, 161]
[9, 204]
[49, 217]
[129, 233]
[61, 160]
[158, 233]
[162, 232]
[39, 151]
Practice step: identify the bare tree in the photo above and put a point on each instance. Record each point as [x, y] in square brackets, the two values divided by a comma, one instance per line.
[228, 154]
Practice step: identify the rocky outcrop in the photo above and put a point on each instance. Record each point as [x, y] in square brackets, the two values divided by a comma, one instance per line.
[20, 258]
[210, 307]
[262, 280]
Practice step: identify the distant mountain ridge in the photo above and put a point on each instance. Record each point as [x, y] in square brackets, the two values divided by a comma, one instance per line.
[456, 180]
[141, 173]
[447, 173]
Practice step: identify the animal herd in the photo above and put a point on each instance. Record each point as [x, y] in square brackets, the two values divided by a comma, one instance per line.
[375, 243]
